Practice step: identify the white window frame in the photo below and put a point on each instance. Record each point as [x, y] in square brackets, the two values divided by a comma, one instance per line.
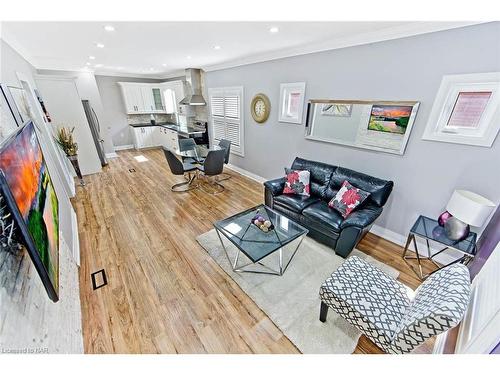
[240, 151]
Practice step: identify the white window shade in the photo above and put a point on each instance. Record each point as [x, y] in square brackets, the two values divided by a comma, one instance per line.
[226, 116]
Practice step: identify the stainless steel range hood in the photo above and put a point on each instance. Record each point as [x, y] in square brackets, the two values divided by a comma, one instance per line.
[194, 96]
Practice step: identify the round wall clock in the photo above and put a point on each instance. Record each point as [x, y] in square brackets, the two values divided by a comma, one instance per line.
[260, 108]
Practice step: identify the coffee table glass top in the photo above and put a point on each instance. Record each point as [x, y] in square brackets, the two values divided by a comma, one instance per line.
[430, 229]
[252, 241]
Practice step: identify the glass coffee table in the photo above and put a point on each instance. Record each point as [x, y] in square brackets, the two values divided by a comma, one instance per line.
[257, 246]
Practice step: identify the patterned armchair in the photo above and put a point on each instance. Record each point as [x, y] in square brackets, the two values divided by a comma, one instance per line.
[390, 314]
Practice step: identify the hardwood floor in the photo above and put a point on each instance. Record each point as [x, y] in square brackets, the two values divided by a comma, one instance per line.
[165, 294]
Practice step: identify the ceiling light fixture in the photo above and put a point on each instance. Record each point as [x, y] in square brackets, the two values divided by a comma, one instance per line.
[189, 57]
[217, 47]
[274, 29]
[92, 57]
[87, 63]
[98, 65]
[100, 45]
[109, 28]
[163, 64]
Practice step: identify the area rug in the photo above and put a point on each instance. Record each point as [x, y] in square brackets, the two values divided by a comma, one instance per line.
[292, 301]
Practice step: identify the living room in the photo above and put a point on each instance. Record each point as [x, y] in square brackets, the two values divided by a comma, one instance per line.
[265, 187]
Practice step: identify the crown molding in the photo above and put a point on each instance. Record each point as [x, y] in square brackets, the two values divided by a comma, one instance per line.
[396, 32]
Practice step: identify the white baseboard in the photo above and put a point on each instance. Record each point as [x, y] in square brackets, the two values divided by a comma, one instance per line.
[246, 173]
[111, 155]
[123, 147]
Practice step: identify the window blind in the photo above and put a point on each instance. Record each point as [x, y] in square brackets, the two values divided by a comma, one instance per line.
[226, 116]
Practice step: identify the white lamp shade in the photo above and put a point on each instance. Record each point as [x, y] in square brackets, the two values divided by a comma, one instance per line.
[469, 207]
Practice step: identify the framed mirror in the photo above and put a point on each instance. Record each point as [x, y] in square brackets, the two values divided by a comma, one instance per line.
[375, 125]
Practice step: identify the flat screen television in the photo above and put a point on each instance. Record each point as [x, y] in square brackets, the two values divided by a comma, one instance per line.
[27, 188]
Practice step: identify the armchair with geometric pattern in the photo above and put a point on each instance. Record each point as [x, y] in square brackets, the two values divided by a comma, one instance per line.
[390, 314]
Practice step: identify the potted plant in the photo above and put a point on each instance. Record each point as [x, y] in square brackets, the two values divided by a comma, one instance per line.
[64, 138]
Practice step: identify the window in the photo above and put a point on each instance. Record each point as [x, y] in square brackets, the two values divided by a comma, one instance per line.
[227, 117]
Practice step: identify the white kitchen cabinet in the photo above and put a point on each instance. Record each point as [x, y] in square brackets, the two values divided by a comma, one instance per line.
[142, 98]
[154, 136]
[148, 99]
[173, 93]
[132, 95]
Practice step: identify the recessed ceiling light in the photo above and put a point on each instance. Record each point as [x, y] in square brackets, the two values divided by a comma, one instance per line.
[189, 57]
[92, 57]
[109, 28]
[99, 45]
[274, 29]
[87, 63]
[217, 47]
[163, 64]
[98, 65]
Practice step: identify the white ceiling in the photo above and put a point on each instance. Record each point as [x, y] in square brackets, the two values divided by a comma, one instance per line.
[164, 49]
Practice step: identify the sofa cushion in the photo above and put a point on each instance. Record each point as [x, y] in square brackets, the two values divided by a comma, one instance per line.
[294, 202]
[321, 174]
[324, 215]
[297, 182]
[379, 189]
[347, 199]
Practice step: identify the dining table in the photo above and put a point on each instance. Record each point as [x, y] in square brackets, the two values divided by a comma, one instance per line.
[198, 153]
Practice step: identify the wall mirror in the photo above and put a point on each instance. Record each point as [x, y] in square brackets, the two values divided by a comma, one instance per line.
[375, 125]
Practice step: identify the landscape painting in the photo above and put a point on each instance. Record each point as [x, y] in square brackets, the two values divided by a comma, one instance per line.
[390, 118]
[28, 180]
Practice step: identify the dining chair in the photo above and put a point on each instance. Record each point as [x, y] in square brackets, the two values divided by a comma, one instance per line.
[186, 144]
[179, 168]
[211, 168]
[226, 145]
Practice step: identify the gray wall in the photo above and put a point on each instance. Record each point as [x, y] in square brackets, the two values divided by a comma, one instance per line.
[402, 69]
[28, 319]
[115, 113]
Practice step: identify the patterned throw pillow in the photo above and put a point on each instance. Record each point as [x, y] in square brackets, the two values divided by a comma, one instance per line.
[347, 199]
[297, 182]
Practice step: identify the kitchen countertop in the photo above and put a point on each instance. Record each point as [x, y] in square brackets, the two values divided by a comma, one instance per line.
[186, 129]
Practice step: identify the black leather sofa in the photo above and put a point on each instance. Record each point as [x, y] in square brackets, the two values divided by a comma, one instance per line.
[325, 224]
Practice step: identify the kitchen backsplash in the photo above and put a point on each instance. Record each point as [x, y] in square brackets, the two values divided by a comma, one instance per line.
[144, 119]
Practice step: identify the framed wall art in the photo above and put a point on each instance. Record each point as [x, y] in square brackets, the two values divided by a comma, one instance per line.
[466, 110]
[292, 102]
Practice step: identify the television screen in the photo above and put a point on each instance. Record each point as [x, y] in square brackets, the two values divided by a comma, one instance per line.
[26, 185]
[390, 118]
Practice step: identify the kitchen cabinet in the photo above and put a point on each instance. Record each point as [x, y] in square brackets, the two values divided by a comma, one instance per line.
[155, 136]
[132, 95]
[142, 98]
[168, 138]
[173, 93]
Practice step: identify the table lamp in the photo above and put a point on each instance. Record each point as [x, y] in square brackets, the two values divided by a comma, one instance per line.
[467, 208]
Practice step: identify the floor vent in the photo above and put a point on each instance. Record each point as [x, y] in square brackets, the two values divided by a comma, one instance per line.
[103, 280]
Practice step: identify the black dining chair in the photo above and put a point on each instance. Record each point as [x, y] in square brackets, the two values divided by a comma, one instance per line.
[179, 168]
[186, 144]
[211, 168]
[226, 145]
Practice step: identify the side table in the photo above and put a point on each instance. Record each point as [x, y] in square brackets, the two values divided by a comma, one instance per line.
[429, 230]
